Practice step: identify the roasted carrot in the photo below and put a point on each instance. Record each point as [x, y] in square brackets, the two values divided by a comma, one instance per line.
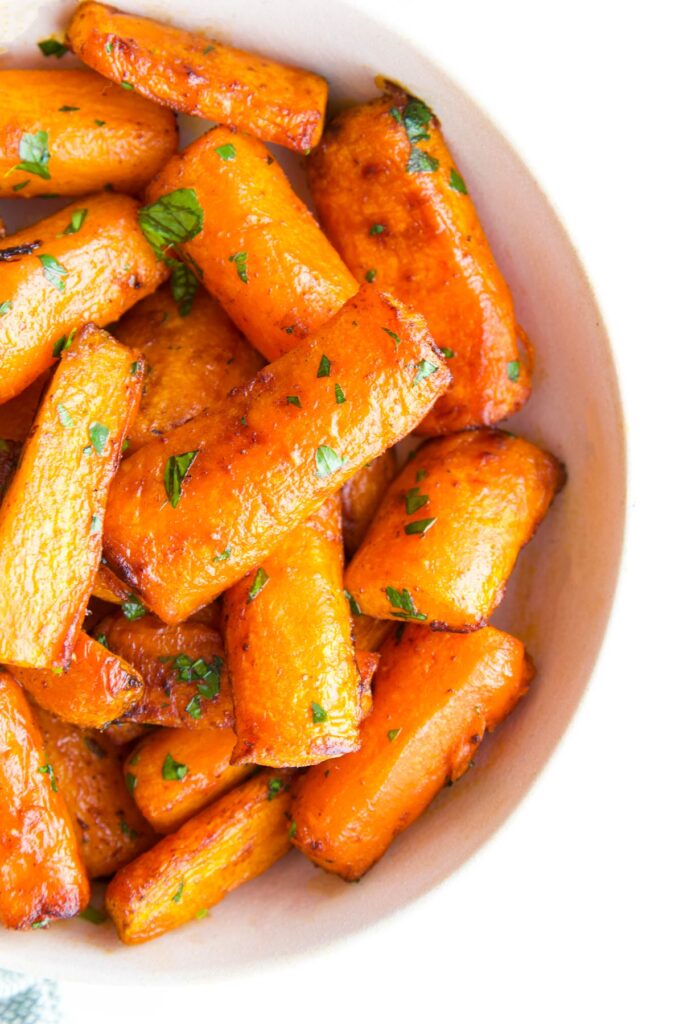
[123, 733]
[295, 680]
[186, 678]
[52, 515]
[108, 587]
[361, 497]
[175, 772]
[195, 75]
[435, 695]
[261, 253]
[191, 513]
[230, 842]
[447, 535]
[42, 877]
[87, 769]
[367, 662]
[97, 688]
[62, 278]
[193, 360]
[394, 204]
[369, 634]
[71, 132]
[17, 415]
[9, 457]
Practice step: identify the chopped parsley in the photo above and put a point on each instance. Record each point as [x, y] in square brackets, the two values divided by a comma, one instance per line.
[54, 272]
[93, 915]
[48, 770]
[420, 475]
[125, 85]
[392, 334]
[404, 602]
[127, 831]
[447, 353]
[62, 344]
[318, 713]
[102, 639]
[99, 122]
[5, 307]
[274, 787]
[64, 416]
[291, 831]
[240, 261]
[376, 229]
[457, 183]
[327, 461]
[66, 109]
[222, 557]
[21, 184]
[226, 152]
[339, 395]
[131, 781]
[353, 604]
[52, 48]
[133, 608]
[261, 577]
[171, 219]
[424, 369]
[370, 276]
[208, 49]
[324, 367]
[177, 468]
[392, 734]
[98, 434]
[513, 370]
[95, 525]
[172, 770]
[134, 368]
[415, 118]
[184, 285]
[34, 155]
[202, 912]
[177, 896]
[419, 526]
[294, 400]
[75, 224]
[415, 500]
[420, 162]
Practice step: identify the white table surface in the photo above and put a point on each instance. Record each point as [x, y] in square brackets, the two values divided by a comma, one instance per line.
[573, 911]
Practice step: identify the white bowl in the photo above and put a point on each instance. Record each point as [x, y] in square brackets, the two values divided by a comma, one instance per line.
[560, 596]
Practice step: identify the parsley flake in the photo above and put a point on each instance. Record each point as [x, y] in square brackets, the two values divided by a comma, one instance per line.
[48, 770]
[177, 468]
[184, 285]
[274, 787]
[75, 224]
[392, 734]
[513, 370]
[376, 229]
[222, 557]
[34, 154]
[318, 713]
[457, 183]
[177, 896]
[392, 334]
[339, 395]
[172, 219]
[226, 152]
[240, 261]
[258, 583]
[64, 416]
[5, 307]
[125, 85]
[415, 500]
[294, 400]
[370, 276]
[54, 272]
[419, 526]
[52, 48]
[62, 344]
[447, 353]
[131, 781]
[98, 434]
[403, 601]
[424, 369]
[324, 367]
[353, 604]
[291, 831]
[133, 608]
[66, 109]
[95, 525]
[172, 770]
[327, 461]
[420, 162]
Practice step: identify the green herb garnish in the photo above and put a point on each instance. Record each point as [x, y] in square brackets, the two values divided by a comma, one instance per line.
[424, 369]
[178, 894]
[392, 734]
[324, 367]
[172, 219]
[226, 152]
[62, 344]
[394, 337]
[93, 915]
[5, 307]
[258, 583]
[353, 604]
[54, 272]
[172, 770]
[133, 608]
[177, 468]
[339, 395]
[95, 525]
[456, 182]
[274, 787]
[415, 500]
[327, 461]
[513, 370]
[294, 400]
[318, 713]
[223, 557]
[240, 261]
[98, 434]
[376, 229]
[403, 601]
[370, 276]
[419, 526]
[48, 770]
[52, 48]
[75, 224]
[64, 416]
[184, 285]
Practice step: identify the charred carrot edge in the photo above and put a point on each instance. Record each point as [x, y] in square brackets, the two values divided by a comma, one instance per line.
[260, 251]
[48, 561]
[41, 874]
[434, 697]
[448, 532]
[235, 839]
[88, 262]
[195, 75]
[217, 491]
[97, 688]
[84, 133]
[177, 772]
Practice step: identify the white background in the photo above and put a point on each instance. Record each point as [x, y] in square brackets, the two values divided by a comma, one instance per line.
[573, 911]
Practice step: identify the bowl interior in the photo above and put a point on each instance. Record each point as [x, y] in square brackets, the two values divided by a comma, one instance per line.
[559, 598]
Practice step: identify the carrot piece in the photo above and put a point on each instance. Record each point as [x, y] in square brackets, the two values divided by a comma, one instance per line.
[395, 206]
[434, 697]
[368, 663]
[222, 490]
[195, 75]
[193, 360]
[167, 795]
[52, 515]
[87, 767]
[58, 281]
[123, 733]
[369, 634]
[41, 874]
[295, 681]
[448, 533]
[97, 688]
[260, 250]
[361, 497]
[70, 132]
[108, 587]
[186, 678]
[232, 841]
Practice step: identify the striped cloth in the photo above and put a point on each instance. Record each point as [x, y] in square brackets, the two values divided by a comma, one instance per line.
[26, 1000]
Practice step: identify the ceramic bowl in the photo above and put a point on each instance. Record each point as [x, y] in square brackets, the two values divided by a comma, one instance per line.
[559, 598]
